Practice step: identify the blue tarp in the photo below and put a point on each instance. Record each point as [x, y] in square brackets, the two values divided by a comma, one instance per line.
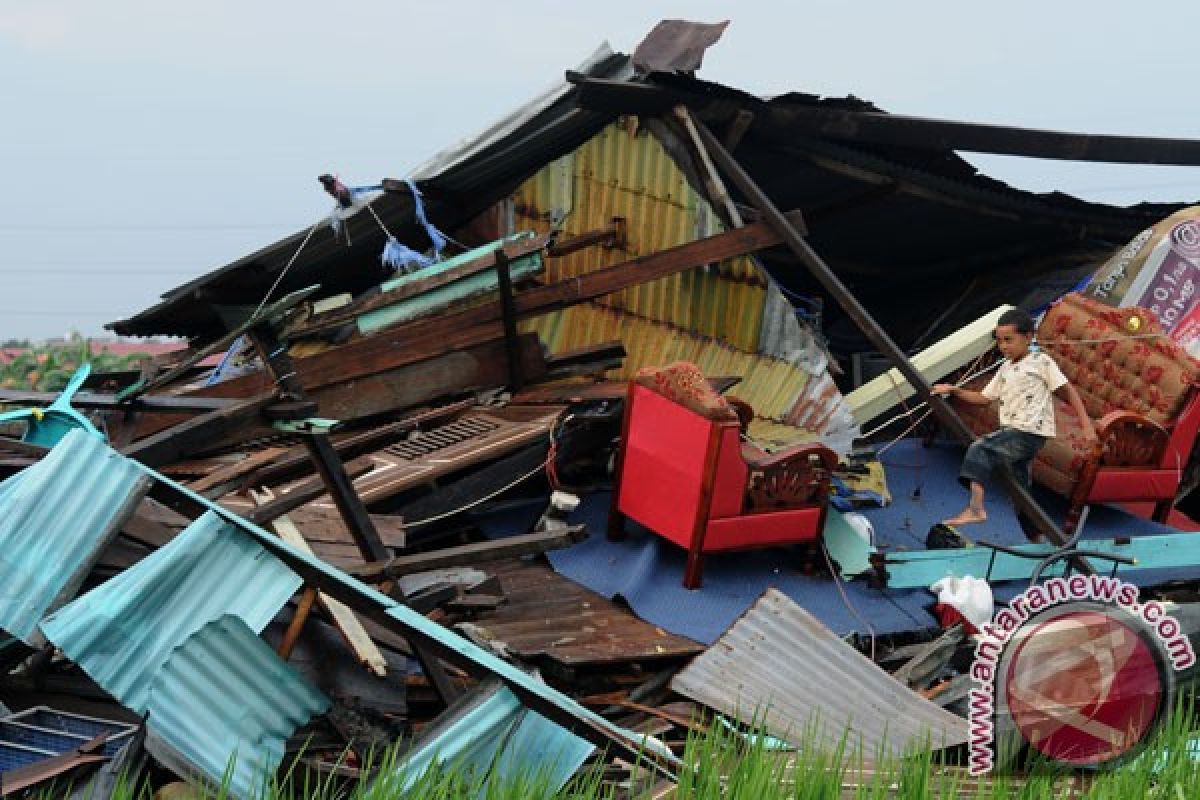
[647, 571]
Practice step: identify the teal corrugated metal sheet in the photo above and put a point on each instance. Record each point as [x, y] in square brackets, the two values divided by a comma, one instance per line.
[122, 632]
[492, 737]
[224, 700]
[407, 618]
[437, 299]
[53, 517]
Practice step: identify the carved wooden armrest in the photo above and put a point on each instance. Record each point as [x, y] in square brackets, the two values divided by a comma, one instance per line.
[1130, 439]
[793, 478]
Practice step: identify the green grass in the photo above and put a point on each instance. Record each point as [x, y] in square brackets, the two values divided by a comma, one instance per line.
[726, 764]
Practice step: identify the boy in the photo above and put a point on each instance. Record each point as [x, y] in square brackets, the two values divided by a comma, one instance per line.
[1023, 386]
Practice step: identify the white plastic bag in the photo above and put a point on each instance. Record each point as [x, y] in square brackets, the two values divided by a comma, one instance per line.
[971, 597]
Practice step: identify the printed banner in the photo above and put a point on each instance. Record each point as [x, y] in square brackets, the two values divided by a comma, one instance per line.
[1160, 271]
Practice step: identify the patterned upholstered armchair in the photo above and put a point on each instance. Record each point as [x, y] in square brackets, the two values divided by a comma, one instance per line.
[684, 472]
[1139, 388]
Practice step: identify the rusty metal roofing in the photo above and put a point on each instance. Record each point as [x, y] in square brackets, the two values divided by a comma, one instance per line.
[55, 518]
[224, 700]
[779, 666]
[548, 617]
[122, 632]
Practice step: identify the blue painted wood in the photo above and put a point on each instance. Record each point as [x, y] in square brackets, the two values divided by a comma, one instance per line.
[924, 567]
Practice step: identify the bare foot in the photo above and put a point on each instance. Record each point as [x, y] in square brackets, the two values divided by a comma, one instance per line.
[968, 517]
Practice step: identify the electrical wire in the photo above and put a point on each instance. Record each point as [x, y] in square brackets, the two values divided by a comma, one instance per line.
[837, 581]
[545, 465]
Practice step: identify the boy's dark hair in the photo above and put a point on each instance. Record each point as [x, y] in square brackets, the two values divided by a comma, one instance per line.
[1018, 319]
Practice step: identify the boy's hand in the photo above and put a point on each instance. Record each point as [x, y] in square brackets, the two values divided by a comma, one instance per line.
[943, 389]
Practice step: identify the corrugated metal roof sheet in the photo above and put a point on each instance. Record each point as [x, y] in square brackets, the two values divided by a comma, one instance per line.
[724, 319]
[438, 298]
[122, 632]
[223, 694]
[492, 737]
[548, 616]
[620, 174]
[780, 667]
[257, 612]
[55, 517]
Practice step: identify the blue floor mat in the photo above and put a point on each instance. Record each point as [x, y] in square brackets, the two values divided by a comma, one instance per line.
[647, 572]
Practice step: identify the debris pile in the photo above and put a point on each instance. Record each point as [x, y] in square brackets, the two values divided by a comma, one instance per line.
[387, 494]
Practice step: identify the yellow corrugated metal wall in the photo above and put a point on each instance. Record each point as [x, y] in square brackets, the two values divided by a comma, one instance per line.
[709, 315]
[619, 174]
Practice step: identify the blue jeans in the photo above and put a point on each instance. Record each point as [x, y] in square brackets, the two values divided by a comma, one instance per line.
[1008, 448]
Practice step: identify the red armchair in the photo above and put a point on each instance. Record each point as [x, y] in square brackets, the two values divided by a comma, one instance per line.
[1139, 388]
[684, 473]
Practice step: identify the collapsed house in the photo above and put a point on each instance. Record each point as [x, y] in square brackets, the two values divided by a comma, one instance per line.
[343, 534]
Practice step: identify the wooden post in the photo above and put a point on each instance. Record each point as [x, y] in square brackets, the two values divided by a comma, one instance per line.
[325, 458]
[303, 609]
[508, 314]
[867, 324]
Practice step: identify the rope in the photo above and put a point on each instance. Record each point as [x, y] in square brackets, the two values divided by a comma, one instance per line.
[287, 267]
[377, 219]
[919, 406]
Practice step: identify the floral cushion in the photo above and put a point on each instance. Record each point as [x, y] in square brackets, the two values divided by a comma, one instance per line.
[1118, 358]
[684, 383]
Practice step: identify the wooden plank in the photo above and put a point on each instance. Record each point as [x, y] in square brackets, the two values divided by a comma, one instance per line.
[357, 383]
[467, 554]
[343, 618]
[198, 433]
[109, 402]
[300, 494]
[237, 469]
[348, 313]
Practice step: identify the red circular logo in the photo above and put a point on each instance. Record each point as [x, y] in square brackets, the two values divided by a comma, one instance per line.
[1084, 687]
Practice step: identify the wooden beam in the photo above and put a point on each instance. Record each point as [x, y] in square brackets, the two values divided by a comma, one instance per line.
[348, 313]
[302, 493]
[866, 323]
[467, 554]
[343, 618]
[237, 469]
[197, 434]
[109, 402]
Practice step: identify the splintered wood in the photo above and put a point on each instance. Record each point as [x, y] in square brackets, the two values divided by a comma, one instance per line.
[343, 618]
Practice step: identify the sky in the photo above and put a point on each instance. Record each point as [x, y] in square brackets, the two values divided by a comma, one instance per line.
[145, 143]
